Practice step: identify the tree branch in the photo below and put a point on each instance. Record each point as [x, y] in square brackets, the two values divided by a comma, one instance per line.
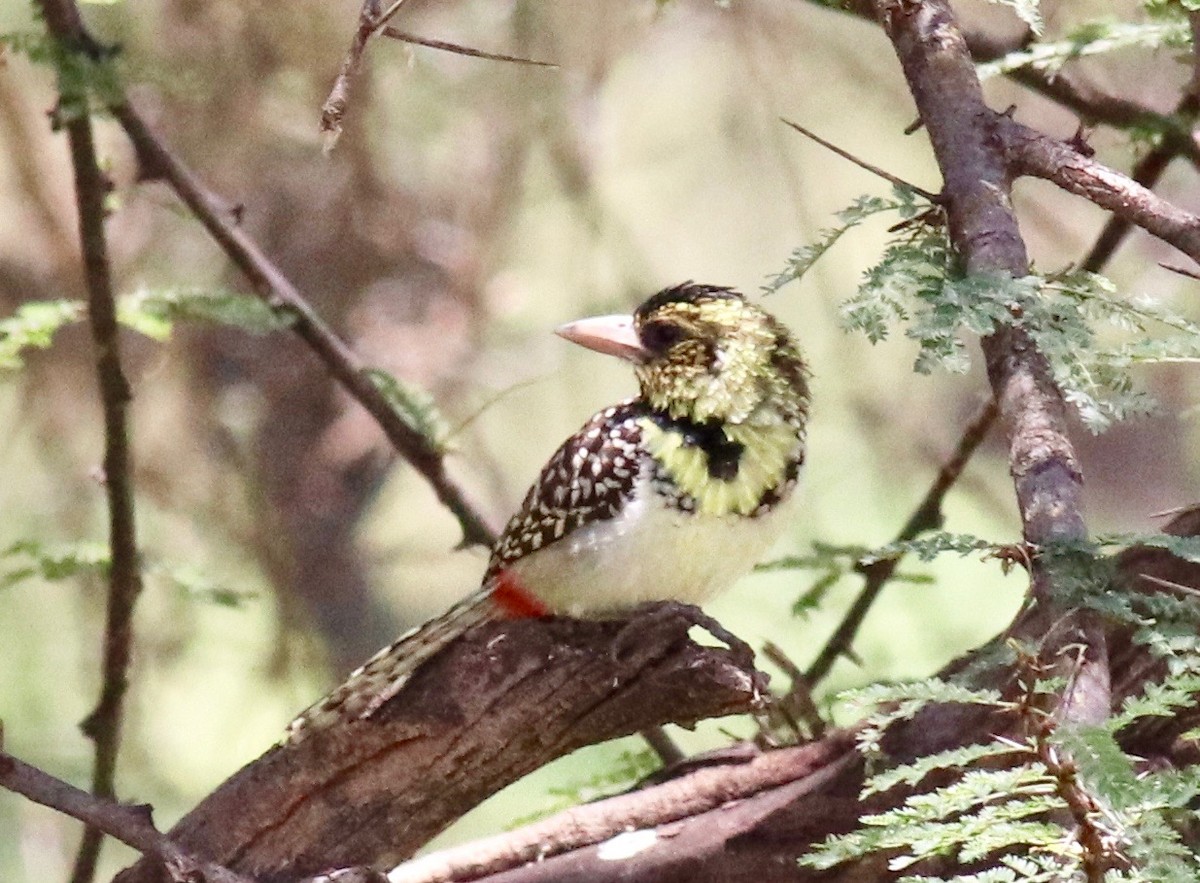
[103, 724]
[159, 162]
[269, 283]
[1147, 172]
[129, 824]
[984, 233]
[699, 792]
[1032, 153]
[1093, 106]
[747, 824]
[373, 790]
[370, 20]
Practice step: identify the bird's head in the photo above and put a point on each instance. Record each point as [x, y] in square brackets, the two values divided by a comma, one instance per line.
[704, 353]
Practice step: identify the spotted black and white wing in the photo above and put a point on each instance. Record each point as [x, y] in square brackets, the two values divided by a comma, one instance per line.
[590, 478]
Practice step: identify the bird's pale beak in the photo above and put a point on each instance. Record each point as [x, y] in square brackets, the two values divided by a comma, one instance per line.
[612, 335]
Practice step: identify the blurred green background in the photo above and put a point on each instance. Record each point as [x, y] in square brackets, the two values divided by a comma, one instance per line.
[470, 207]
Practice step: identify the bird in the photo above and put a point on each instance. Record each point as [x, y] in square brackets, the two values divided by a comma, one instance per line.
[671, 495]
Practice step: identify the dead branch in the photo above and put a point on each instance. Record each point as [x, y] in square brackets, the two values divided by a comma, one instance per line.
[370, 20]
[524, 692]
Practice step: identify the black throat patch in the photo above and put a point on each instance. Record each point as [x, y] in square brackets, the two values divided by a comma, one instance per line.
[723, 455]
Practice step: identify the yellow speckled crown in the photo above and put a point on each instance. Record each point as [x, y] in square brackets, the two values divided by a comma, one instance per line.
[715, 356]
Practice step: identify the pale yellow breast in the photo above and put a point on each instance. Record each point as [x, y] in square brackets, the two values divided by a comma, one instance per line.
[651, 551]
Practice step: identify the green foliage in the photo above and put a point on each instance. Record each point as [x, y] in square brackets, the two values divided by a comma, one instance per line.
[51, 562]
[55, 562]
[415, 407]
[929, 547]
[904, 200]
[151, 312]
[199, 586]
[154, 312]
[895, 702]
[33, 325]
[1170, 9]
[915, 284]
[991, 801]
[1004, 802]
[832, 563]
[1093, 38]
[88, 81]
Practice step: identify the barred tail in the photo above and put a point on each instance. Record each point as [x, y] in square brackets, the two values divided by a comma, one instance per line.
[384, 675]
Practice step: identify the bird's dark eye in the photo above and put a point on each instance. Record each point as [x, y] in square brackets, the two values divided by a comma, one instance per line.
[659, 337]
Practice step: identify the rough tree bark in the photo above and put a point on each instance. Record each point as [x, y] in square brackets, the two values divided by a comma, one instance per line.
[497, 704]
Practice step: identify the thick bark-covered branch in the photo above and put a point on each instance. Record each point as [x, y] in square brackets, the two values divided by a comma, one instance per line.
[688, 796]
[984, 232]
[495, 705]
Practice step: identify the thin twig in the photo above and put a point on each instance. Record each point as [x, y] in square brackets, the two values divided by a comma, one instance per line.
[1095, 106]
[103, 724]
[798, 700]
[269, 283]
[927, 516]
[334, 108]
[131, 825]
[669, 754]
[459, 49]
[862, 164]
[1182, 271]
[1098, 849]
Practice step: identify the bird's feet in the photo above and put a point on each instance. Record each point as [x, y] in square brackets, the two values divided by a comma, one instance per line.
[673, 620]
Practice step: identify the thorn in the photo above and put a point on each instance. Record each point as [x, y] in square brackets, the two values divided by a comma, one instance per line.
[874, 170]
[1013, 553]
[1182, 271]
[1169, 513]
[458, 49]
[1079, 141]
[915, 126]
